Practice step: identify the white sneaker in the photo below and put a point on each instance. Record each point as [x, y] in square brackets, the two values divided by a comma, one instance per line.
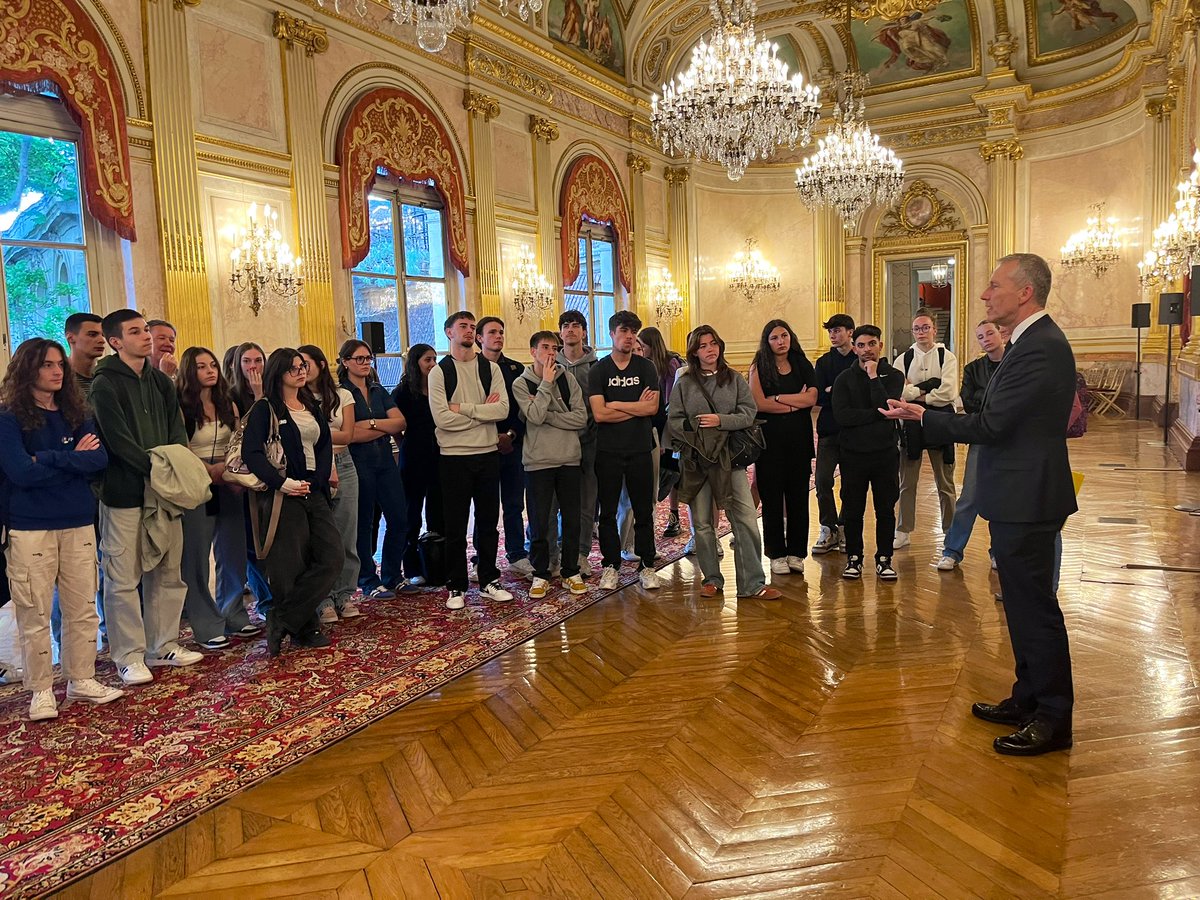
[10, 674]
[497, 593]
[43, 706]
[455, 600]
[827, 540]
[175, 656]
[349, 610]
[901, 540]
[946, 564]
[585, 568]
[796, 564]
[473, 574]
[610, 580]
[92, 691]
[522, 567]
[539, 589]
[780, 566]
[575, 585]
[328, 615]
[135, 673]
[649, 579]
[630, 556]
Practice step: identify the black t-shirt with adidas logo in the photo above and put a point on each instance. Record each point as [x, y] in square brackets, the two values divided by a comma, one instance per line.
[624, 385]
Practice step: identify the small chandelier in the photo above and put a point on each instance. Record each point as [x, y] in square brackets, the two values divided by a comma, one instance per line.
[532, 293]
[668, 302]
[263, 264]
[735, 103]
[750, 274]
[940, 273]
[435, 19]
[1176, 242]
[850, 170]
[1096, 247]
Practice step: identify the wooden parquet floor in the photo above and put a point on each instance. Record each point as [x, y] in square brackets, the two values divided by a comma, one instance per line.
[667, 746]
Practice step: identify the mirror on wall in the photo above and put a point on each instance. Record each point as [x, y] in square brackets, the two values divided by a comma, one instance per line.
[922, 283]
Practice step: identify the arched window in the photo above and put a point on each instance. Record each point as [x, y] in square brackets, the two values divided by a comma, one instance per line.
[594, 292]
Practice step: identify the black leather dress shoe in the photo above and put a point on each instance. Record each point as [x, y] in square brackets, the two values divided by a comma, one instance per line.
[315, 638]
[1037, 737]
[1006, 712]
[275, 632]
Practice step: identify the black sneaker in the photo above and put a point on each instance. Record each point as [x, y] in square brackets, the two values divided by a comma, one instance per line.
[672, 529]
[853, 568]
[883, 568]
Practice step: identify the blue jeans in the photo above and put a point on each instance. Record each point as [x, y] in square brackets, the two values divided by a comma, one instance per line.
[747, 548]
[965, 511]
[379, 483]
[512, 502]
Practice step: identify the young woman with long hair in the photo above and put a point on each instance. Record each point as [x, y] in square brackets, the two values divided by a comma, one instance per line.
[784, 386]
[418, 455]
[306, 557]
[243, 365]
[337, 405]
[376, 421]
[217, 528]
[710, 402]
[48, 450]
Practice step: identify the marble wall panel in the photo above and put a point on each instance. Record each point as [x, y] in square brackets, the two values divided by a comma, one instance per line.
[656, 207]
[514, 166]
[145, 254]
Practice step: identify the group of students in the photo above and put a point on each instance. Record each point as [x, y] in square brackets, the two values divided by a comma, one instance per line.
[142, 460]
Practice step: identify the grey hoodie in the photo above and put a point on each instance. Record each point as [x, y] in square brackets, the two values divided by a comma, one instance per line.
[551, 430]
[581, 368]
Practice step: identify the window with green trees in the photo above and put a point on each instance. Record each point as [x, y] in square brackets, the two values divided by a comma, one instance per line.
[42, 236]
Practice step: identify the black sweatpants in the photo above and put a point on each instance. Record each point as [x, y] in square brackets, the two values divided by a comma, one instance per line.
[636, 472]
[783, 489]
[466, 480]
[541, 487]
[881, 473]
[306, 559]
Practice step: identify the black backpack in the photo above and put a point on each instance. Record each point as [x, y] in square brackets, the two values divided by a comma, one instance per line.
[910, 354]
[564, 389]
[450, 375]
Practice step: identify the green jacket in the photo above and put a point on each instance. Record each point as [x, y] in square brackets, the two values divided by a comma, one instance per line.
[133, 415]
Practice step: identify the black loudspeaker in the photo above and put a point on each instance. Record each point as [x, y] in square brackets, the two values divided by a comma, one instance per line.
[1170, 308]
[372, 335]
[1140, 316]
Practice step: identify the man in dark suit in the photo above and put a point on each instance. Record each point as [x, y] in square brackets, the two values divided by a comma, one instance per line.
[1025, 492]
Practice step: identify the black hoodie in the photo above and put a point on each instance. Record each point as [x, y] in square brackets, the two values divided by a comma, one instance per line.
[857, 400]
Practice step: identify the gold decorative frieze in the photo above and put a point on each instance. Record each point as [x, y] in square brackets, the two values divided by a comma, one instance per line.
[638, 163]
[1005, 148]
[183, 4]
[240, 162]
[957, 133]
[481, 104]
[543, 129]
[920, 210]
[999, 115]
[877, 9]
[640, 133]
[297, 32]
[504, 72]
[678, 175]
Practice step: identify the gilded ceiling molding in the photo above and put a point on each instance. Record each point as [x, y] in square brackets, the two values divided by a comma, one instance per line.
[591, 189]
[921, 210]
[1035, 57]
[640, 133]
[56, 41]
[395, 129]
[676, 174]
[182, 4]
[506, 73]
[1000, 10]
[1001, 49]
[543, 129]
[130, 72]
[240, 162]
[637, 162]
[811, 29]
[481, 104]
[297, 32]
[244, 149]
[957, 133]
[1003, 149]
[876, 9]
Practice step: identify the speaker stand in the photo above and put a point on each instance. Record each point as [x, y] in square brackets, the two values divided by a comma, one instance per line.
[1167, 393]
[1137, 402]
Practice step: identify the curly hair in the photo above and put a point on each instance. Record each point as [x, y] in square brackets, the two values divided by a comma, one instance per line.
[189, 392]
[16, 391]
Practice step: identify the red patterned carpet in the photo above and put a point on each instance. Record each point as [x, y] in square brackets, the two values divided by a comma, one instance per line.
[80, 790]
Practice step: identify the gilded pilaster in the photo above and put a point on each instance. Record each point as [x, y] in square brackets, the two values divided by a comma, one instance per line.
[299, 41]
[1160, 199]
[1002, 156]
[482, 110]
[831, 270]
[638, 166]
[543, 132]
[677, 234]
[176, 174]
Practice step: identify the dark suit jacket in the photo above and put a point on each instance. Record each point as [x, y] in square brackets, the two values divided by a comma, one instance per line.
[1024, 474]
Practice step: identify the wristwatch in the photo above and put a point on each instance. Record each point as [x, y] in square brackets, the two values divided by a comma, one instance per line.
[373, 425]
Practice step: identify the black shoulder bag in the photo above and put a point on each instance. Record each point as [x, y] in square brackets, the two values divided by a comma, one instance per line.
[745, 444]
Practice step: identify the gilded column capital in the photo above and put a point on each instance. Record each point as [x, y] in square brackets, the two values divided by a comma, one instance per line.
[296, 32]
[1004, 149]
[638, 163]
[1160, 107]
[678, 175]
[1001, 50]
[543, 129]
[481, 104]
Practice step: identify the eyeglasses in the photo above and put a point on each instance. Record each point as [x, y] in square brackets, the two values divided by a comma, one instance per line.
[921, 329]
[298, 370]
[361, 360]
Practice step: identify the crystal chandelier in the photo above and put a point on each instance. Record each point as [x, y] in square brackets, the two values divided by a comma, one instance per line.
[735, 103]
[850, 170]
[940, 273]
[435, 19]
[750, 274]
[1176, 242]
[263, 264]
[532, 293]
[1096, 247]
[668, 302]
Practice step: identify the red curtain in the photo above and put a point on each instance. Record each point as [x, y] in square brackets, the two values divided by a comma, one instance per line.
[392, 128]
[55, 41]
[592, 189]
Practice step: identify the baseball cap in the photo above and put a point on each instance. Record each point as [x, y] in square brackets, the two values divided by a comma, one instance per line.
[841, 320]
